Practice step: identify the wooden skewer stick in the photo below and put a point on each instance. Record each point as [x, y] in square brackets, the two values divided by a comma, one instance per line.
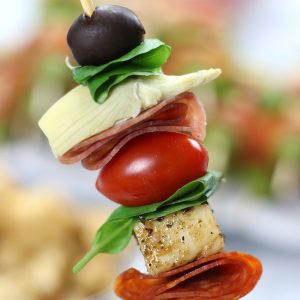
[88, 7]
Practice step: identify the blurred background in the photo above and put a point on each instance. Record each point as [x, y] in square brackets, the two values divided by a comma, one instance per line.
[49, 213]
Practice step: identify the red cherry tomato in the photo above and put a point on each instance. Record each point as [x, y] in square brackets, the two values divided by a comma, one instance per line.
[151, 167]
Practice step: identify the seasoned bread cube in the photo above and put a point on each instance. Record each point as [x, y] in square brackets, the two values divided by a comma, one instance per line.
[179, 238]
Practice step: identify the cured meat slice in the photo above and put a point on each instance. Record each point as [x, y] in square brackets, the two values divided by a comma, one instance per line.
[224, 276]
[183, 113]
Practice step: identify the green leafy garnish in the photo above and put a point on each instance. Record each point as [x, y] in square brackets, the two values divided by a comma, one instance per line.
[144, 60]
[112, 237]
[115, 234]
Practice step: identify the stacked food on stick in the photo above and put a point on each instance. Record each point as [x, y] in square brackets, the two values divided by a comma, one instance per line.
[143, 130]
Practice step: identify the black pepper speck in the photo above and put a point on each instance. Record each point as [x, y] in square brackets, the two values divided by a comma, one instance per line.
[149, 230]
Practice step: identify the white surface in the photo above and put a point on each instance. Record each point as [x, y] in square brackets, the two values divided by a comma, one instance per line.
[33, 164]
[19, 22]
[266, 40]
[271, 223]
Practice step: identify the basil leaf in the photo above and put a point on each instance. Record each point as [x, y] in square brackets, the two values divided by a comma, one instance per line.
[144, 60]
[167, 210]
[115, 234]
[189, 192]
[100, 85]
[195, 189]
[82, 74]
[112, 237]
[154, 58]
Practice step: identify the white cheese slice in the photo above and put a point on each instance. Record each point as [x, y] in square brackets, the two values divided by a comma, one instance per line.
[178, 239]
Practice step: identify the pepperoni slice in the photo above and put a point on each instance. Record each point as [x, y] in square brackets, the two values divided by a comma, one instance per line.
[183, 113]
[224, 276]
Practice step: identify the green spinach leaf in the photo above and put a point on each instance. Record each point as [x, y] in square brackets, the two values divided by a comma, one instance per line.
[112, 237]
[144, 60]
[101, 84]
[115, 234]
[191, 191]
[170, 209]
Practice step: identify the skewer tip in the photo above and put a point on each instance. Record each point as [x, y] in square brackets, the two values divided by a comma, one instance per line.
[88, 7]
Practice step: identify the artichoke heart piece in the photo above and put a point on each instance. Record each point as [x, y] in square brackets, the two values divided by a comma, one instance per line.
[76, 117]
[178, 239]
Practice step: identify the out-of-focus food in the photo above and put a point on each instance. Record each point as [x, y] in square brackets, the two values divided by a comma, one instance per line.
[41, 236]
[258, 135]
[29, 75]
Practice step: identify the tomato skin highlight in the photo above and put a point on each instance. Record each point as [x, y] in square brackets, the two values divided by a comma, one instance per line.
[151, 167]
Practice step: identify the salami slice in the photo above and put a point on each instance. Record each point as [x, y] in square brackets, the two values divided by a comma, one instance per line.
[183, 113]
[224, 276]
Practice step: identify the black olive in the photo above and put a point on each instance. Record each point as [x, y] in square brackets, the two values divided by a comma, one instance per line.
[109, 33]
